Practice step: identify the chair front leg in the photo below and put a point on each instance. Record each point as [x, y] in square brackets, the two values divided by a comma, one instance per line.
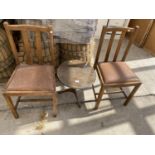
[99, 97]
[131, 94]
[10, 105]
[54, 104]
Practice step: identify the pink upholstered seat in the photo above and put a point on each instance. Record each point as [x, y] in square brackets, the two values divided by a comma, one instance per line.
[32, 78]
[117, 72]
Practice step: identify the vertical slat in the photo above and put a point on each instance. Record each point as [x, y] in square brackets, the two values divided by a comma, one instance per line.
[133, 37]
[109, 46]
[39, 47]
[12, 43]
[119, 45]
[99, 46]
[51, 46]
[25, 38]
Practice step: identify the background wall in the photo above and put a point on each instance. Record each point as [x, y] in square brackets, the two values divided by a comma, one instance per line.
[146, 35]
[112, 22]
[145, 26]
[150, 42]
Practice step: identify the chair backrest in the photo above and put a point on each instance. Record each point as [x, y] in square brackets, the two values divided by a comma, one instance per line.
[113, 31]
[25, 30]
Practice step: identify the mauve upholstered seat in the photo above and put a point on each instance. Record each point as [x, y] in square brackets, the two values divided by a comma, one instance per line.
[117, 72]
[32, 78]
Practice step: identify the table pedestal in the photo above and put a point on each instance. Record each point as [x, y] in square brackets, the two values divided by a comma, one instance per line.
[76, 74]
[72, 90]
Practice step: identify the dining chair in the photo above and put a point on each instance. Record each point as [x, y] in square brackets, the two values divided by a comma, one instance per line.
[113, 72]
[31, 79]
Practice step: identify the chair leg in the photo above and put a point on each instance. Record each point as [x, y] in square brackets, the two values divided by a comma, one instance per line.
[54, 104]
[131, 94]
[17, 101]
[11, 106]
[99, 97]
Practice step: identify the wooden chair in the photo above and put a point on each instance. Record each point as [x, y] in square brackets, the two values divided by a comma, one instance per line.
[31, 79]
[115, 73]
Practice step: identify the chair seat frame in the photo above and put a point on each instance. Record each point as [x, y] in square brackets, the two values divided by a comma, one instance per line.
[98, 96]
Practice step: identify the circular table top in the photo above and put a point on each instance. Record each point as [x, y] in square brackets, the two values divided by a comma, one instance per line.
[76, 74]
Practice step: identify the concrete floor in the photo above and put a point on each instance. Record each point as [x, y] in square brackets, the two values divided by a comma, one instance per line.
[111, 118]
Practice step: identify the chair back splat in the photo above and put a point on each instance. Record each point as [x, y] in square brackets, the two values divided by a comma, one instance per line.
[112, 32]
[28, 31]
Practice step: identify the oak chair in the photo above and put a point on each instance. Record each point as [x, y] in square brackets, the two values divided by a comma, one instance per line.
[115, 73]
[31, 79]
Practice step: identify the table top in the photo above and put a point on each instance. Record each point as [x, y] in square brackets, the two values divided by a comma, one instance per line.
[76, 74]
